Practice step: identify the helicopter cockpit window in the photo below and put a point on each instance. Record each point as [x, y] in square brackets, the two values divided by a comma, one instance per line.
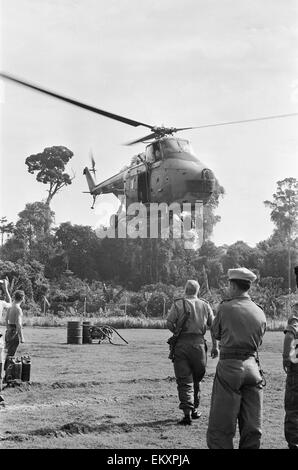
[177, 145]
[173, 148]
[153, 153]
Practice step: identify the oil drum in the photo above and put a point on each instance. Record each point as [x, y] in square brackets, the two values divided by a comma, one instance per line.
[86, 332]
[13, 369]
[74, 332]
[26, 368]
[18, 369]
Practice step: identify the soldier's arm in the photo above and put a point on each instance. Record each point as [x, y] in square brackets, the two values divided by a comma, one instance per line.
[216, 326]
[6, 292]
[19, 324]
[290, 332]
[210, 321]
[172, 319]
[288, 345]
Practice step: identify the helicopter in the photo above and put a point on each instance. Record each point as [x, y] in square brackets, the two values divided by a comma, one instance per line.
[168, 171]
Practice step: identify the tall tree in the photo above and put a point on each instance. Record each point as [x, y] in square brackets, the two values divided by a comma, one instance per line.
[284, 214]
[50, 168]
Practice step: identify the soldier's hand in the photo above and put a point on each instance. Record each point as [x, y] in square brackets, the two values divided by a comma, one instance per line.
[214, 353]
[286, 364]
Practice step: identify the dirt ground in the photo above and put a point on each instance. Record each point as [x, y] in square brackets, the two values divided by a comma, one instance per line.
[104, 396]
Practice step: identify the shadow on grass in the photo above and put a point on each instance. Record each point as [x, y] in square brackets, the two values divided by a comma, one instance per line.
[75, 428]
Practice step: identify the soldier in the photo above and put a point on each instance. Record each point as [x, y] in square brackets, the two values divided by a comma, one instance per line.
[291, 369]
[4, 304]
[14, 329]
[237, 393]
[190, 351]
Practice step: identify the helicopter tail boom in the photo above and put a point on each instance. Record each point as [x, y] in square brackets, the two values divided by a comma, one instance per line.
[90, 180]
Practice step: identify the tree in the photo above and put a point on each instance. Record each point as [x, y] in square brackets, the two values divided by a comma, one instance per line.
[284, 208]
[35, 220]
[5, 228]
[284, 214]
[79, 250]
[274, 260]
[50, 165]
[209, 218]
[240, 254]
[33, 226]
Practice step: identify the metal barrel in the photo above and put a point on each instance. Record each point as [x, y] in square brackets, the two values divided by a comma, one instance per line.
[26, 368]
[86, 333]
[18, 369]
[74, 332]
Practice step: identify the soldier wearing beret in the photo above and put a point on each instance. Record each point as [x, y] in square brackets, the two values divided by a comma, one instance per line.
[190, 351]
[290, 364]
[237, 393]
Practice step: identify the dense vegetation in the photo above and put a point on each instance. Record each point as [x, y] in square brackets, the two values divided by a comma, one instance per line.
[74, 270]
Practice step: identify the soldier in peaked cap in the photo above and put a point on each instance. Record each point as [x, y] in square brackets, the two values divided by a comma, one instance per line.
[237, 393]
[290, 364]
[191, 316]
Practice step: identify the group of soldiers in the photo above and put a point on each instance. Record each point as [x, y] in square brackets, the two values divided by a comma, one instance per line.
[237, 332]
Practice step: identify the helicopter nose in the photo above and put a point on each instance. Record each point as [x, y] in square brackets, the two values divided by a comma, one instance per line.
[203, 183]
[207, 180]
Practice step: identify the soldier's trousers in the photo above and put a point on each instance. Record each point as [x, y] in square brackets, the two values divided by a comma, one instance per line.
[237, 396]
[190, 367]
[291, 407]
[12, 342]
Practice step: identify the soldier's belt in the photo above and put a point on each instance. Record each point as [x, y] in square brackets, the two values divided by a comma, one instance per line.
[237, 355]
[192, 337]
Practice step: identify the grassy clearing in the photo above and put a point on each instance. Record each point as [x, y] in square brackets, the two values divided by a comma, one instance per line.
[121, 322]
[118, 396]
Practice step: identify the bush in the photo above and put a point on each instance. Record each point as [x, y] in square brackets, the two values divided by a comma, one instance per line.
[158, 304]
[31, 309]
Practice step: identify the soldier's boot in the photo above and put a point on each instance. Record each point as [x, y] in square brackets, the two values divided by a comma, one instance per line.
[186, 420]
[195, 414]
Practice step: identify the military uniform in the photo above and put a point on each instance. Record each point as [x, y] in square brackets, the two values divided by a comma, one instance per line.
[291, 392]
[237, 389]
[190, 351]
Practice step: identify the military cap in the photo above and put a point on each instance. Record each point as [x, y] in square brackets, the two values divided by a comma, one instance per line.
[242, 274]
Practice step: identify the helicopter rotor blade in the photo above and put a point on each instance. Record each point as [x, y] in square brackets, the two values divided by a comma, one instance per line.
[142, 139]
[264, 118]
[183, 129]
[93, 109]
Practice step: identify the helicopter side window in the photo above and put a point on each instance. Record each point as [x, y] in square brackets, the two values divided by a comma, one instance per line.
[150, 154]
[157, 152]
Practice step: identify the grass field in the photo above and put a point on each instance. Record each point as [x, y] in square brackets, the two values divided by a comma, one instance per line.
[118, 396]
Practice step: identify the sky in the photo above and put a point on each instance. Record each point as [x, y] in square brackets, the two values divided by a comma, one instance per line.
[166, 62]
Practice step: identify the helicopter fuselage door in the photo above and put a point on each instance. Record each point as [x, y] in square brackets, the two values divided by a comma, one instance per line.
[137, 184]
[158, 181]
[131, 186]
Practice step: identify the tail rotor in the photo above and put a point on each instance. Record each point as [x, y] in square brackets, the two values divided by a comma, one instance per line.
[92, 169]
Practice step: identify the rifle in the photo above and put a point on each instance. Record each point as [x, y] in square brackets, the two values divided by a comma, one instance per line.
[172, 341]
